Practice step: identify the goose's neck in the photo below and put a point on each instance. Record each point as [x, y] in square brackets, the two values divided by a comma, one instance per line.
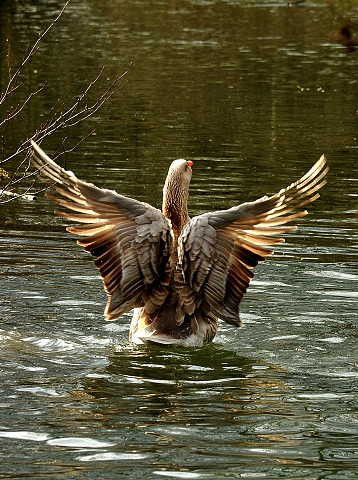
[175, 205]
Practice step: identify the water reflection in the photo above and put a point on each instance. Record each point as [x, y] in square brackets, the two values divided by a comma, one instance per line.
[207, 404]
[149, 408]
[164, 382]
[253, 92]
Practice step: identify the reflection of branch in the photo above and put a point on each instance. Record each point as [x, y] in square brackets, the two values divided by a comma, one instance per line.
[59, 118]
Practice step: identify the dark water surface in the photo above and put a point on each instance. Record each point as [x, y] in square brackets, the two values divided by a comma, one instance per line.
[253, 93]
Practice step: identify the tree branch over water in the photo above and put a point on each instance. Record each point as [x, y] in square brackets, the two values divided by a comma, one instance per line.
[60, 117]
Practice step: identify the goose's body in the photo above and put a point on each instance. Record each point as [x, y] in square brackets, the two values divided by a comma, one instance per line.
[178, 274]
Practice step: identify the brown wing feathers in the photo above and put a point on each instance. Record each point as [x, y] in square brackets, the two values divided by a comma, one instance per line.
[217, 251]
[130, 239]
[250, 244]
[221, 273]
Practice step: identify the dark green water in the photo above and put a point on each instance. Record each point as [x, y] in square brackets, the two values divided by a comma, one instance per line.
[253, 93]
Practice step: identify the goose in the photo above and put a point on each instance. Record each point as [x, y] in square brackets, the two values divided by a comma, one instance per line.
[178, 275]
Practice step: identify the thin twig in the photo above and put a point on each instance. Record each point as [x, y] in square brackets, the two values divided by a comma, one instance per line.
[31, 51]
[59, 117]
[12, 114]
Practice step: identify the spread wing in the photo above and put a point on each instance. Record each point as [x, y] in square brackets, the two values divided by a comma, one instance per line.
[131, 240]
[218, 250]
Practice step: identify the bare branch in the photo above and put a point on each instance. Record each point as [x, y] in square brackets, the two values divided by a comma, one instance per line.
[70, 117]
[12, 85]
[16, 110]
[59, 118]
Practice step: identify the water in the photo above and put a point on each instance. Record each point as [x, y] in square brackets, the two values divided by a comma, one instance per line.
[253, 93]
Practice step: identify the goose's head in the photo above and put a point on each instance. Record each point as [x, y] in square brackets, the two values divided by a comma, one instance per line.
[178, 179]
[176, 191]
[180, 173]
